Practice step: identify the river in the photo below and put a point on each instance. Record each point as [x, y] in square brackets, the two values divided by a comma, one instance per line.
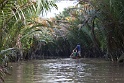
[66, 71]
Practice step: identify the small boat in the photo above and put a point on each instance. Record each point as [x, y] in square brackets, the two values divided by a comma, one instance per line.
[75, 57]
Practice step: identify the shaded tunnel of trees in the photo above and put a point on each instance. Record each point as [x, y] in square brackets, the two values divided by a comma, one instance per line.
[96, 24]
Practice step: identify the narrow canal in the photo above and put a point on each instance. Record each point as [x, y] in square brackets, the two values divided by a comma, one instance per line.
[66, 71]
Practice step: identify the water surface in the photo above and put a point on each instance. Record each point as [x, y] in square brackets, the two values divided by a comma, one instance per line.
[67, 71]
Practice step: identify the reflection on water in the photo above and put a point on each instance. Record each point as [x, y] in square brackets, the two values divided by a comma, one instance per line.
[67, 71]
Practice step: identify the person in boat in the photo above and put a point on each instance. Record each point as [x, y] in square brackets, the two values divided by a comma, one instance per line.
[74, 53]
[78, 49]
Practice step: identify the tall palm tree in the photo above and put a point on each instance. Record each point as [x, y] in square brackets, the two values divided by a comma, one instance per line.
[111, 16]
[16, 15]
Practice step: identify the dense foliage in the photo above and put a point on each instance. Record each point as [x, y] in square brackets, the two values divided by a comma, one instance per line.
[17, 21]
[96, 24]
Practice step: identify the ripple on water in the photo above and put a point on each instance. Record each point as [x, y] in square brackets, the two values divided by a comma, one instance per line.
[67, 71]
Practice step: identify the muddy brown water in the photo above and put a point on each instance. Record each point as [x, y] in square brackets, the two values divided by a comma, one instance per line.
[66, 71]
